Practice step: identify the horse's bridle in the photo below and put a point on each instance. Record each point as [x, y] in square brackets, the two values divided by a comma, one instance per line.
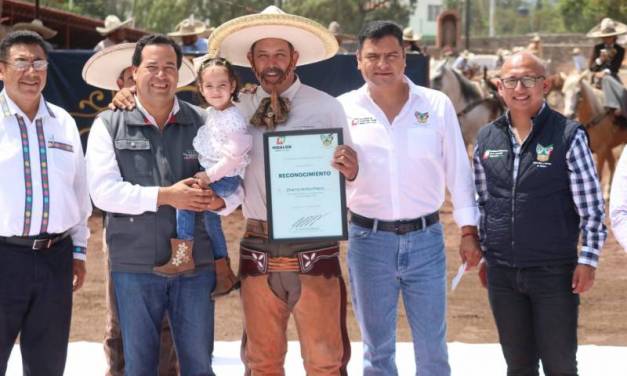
[595, 120]
[471, 106]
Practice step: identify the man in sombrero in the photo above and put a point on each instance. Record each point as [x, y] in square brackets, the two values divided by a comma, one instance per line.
[273, 43]
[606, 60]
[189, 32]
[113, 30]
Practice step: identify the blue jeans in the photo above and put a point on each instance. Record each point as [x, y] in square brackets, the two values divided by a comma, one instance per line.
[143, 299]
[382, 265]
[536, 316]
[185, 218]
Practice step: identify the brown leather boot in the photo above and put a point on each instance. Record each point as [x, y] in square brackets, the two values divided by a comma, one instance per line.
[226, 280]
[181, 260]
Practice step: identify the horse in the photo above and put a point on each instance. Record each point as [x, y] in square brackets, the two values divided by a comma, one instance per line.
[474, 109]
[583, 102]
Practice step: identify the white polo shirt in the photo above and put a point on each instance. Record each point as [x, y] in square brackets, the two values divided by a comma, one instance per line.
[405, 166]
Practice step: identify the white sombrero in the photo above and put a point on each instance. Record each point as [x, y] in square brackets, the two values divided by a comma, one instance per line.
[410, 36]
[104, 67]
[36, 26]
[189, 27]
[112, 23]
[233, 39]
[607, 28]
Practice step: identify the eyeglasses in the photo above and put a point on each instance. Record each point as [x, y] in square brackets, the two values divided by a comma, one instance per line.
[527, 81]
[23, 65]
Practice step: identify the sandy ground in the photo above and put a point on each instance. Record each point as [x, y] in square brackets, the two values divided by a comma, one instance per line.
[602, 318]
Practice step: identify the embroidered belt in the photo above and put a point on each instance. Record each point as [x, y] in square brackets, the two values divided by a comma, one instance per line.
[322, 261]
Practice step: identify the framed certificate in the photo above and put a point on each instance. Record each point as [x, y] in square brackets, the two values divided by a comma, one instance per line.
[305, 195]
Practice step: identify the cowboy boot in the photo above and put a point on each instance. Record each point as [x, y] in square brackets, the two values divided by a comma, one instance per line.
[181, 260]
[226, 280]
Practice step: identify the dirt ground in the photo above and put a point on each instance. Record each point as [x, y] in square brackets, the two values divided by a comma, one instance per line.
[602, 318]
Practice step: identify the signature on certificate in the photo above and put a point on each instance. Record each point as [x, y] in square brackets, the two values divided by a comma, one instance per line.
[308, 221]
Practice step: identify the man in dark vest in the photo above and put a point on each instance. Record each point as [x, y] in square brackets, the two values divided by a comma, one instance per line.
[139, 168]
[538, 192]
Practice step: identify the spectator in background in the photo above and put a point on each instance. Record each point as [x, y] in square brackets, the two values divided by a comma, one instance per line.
[114, 32]
[189, 32]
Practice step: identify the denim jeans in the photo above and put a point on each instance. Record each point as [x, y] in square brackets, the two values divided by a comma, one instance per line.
[382, 265]
[185, 218]
[143, 299]
[536, 316]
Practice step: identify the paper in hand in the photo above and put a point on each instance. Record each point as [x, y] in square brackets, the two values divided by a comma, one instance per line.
[458, 276]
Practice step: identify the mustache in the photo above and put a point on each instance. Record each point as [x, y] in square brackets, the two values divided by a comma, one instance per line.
[273, 70]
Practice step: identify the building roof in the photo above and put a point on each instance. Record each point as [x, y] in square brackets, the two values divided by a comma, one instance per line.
[74, 31]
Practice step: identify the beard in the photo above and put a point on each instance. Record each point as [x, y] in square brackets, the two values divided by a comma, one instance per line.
[275, 73]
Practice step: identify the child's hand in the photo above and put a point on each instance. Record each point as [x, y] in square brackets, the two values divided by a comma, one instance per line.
[203, 179]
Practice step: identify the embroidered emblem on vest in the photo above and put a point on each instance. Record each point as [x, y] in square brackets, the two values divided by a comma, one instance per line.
[543, 153]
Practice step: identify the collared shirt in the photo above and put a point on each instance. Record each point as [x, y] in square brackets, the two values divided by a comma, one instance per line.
[42, 162]
[310, 109]
[618, 201]
[109, 191]
[584, 186]
[200, 46]
[405, 166]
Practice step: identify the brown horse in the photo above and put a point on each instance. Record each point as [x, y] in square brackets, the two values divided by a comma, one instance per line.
[582, 101]
[474, 108]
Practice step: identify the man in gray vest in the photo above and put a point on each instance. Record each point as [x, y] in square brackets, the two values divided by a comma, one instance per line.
[538, 192]
[139, 168]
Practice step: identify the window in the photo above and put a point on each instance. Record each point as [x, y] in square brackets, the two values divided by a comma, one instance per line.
[433, 11]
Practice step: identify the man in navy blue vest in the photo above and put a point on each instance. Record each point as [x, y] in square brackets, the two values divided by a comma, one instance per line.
[538, 192]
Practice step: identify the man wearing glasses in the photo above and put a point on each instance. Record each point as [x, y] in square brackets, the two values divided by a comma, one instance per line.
[44, 206]
[538, 191]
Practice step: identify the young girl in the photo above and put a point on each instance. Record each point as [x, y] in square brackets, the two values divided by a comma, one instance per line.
[222, 144]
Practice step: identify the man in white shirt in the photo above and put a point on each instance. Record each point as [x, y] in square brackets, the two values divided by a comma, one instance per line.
[44, 206]
[140, 165]
[618, 201]
[410, 149]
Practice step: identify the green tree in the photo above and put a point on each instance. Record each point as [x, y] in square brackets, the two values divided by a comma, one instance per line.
[352, 14]
[582, 15]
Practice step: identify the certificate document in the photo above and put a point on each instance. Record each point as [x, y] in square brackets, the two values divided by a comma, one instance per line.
[305, 194]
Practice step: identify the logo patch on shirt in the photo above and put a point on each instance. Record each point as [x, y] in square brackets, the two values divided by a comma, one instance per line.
[422, 117]
[189, 155]
[362, 121]
[543, 153]
[494, 153]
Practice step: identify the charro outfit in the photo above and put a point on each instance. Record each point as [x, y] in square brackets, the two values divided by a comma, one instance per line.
[44, 206]
[536, 198]
[302, 279]
[613, 90]
[128, 159]
[396, 243]
[275, 282]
